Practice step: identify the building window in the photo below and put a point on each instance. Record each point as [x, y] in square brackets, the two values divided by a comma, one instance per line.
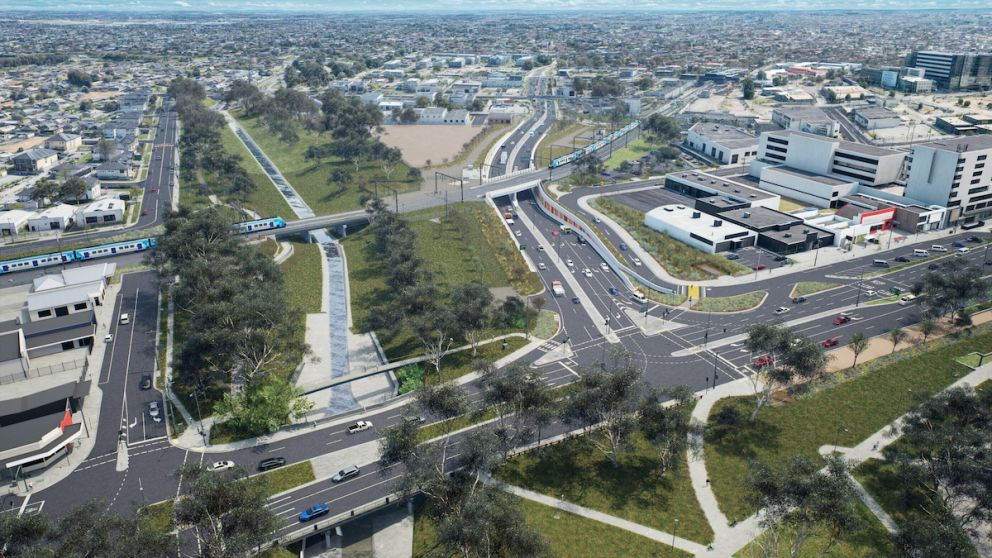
[44, 313]
[62, 311]
[68, 345]
[80, 306]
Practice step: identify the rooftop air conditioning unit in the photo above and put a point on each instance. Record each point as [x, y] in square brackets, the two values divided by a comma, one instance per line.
[787, 235]
[717, 223]
[695, 215]
[746, 214]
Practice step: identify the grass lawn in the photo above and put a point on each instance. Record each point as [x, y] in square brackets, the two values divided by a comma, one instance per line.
[458, 364]
[555, 140]
[576, 471]
[871, 540]
[157, 517]
[290, 476]
[309, 178]
[679, 259]
[633, 151]
[845, 414]
[266, 199]
[974, 360]
[546, 325]
[568, 535]
[303, 277]
[269, 246]
[735, 303]
[806, 288]
[470, 245]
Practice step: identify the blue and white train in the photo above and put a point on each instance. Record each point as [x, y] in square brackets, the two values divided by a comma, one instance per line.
[260, 225]
[592, 148]
[83, 254]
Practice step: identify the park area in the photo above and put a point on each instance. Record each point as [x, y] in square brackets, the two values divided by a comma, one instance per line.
[310, 178]
[465, 242]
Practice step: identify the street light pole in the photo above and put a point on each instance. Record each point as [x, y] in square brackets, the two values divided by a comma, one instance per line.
[860, 287]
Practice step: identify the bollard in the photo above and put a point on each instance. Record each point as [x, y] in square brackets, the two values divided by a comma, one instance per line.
[387, 499]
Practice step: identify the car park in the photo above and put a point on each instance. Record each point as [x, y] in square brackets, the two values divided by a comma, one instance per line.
[146, 382]
[314, 512]
[832, 342]
[781, 310]
[842, 319]
[154, 411]
[360, 426]
[271, 463]
[763, 361]
[346, 473]
[218, 466]
[798, 299]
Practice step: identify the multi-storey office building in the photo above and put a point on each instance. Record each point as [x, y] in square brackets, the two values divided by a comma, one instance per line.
[954, 70]
[956, 173]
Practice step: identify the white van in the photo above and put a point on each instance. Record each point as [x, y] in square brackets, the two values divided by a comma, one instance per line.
[639, 297]
[919, 253]
[906, 300]
[964, 250]
[125, 319]
[938, 248]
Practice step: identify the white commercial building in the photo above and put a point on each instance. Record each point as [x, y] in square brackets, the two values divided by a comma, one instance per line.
[807, 187]
[869, 165]
[107, 211]
[11, 222]
[697, 229]
[727, 144]
[57, 217]
[874, 118]
[811, 120]
[955, 173]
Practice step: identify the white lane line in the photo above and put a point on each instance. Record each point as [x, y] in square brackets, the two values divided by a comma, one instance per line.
[24, 504]
[569, 368]
[334, 442]
[276, 449]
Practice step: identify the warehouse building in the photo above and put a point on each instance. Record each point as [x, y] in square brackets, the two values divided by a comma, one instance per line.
[700, 230]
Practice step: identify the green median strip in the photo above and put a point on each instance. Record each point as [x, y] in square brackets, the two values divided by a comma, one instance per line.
[807, 288]
[735, 303]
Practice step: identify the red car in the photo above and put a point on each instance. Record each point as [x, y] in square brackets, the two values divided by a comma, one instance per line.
[144, 212]
[842, 319]
[763, 361]
[759, 267]
[832, 342]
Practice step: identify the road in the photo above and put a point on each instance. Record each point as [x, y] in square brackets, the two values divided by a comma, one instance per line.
[849, 129]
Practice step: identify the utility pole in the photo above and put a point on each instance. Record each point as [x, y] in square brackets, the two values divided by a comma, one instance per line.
[860, 287]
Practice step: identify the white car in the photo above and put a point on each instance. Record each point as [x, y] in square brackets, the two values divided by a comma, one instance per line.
[869, 292]
[541, 265]
[154, 411]
[360, 426]
[782, 310]
[540, 248]
[604, 267]
[218, 466]
[518, 233]
[108, 338]
[569, 263]
[637, 262]
[587, 272]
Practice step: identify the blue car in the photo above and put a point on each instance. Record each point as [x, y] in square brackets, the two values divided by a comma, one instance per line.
[314, 512]
[614, 291]
[623, 247]
[959, 244]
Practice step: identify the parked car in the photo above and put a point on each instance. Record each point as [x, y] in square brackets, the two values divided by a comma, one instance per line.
[759, 267]
[146, 382]
[271, 463]
[842, 319]
[154, 411]
[832, 342]
[346, 473]
[314, 512]
[360, 426]
[781, 258]
[218, 466]
[782, 310]
[798, 299]
[973, 239]
[733, 257]
[764, 361]
[614, 291]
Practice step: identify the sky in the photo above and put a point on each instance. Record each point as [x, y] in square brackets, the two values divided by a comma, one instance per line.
[475, 6]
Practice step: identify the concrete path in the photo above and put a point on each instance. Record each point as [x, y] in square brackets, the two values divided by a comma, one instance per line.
[653, 534]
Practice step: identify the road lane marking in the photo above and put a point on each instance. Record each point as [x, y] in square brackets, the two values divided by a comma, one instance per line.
[276, 449]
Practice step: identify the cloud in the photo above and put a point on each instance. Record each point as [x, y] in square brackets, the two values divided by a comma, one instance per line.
[182, 3]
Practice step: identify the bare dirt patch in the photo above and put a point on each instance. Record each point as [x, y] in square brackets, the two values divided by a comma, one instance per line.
[23, 144]
[101, 95]
[428, 142]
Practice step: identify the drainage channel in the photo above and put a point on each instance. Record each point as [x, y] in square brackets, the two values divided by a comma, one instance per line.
[341, 398]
